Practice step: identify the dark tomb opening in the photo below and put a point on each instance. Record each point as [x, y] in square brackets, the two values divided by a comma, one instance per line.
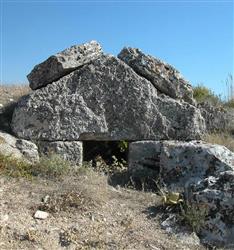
[106, 150]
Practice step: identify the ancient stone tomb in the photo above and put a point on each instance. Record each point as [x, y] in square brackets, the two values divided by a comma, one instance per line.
[82, 94]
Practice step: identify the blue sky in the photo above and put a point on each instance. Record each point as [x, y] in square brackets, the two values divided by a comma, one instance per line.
[194, 36]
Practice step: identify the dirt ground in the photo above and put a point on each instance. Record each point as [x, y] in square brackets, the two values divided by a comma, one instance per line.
[85, 212]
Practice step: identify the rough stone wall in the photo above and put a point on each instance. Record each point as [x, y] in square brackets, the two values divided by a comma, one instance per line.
[104, 98]
[217, 118]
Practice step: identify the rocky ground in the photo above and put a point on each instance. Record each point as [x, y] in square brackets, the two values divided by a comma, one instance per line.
[85, 212]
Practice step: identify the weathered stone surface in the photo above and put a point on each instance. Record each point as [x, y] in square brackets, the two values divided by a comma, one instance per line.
[105, 100]
[181, 163]
[70, 151]
[63, 63]
[173, 226]
[217, 118]
[144, 156]
[17, 148]
[216, 194]
[162, 75]
[184, 120]
[185, 162]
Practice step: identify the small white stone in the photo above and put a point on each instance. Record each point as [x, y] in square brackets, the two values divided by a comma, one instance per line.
[92, 217]
[41, 215]
[46, 199]
[4, 218]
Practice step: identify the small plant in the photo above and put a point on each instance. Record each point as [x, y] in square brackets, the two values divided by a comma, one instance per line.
[116, 166]
[31, 235]
[56, 203]
[84, 169]
[191, 214]
[194, 215]
[51, 166]
[172, 198]
[168, 197]
[123, 146]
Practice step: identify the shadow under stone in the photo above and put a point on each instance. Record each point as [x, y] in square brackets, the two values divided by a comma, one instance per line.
[104, 149]
[6, 116]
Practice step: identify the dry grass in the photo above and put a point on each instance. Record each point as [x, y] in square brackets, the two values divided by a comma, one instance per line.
[52, 166]
[10, 93]
[65, 201]
[14, 167]
[224, 139]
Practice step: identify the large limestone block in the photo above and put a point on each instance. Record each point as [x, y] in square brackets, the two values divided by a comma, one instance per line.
[216, 194]
[63, 63]
[183, 163]
[144, 156]
[217, 118]
[180, 163]
[184, 120]
[69, 150]
[162, 75]
[17, 148]
[105, 100]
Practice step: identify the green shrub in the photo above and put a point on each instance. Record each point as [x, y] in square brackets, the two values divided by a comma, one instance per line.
[15, 167]
[203, 94]
[52, 166]
[123, 146]
[194, 215]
